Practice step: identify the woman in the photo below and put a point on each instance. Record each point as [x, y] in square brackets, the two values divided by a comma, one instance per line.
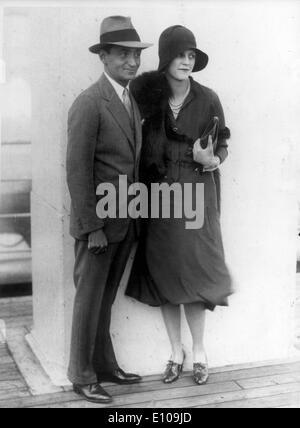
[174, 265]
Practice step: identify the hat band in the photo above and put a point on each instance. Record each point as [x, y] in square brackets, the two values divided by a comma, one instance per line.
[129, 35]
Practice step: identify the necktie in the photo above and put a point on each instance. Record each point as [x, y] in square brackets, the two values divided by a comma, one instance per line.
[127, 103]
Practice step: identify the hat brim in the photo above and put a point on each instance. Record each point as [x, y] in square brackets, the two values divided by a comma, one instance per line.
[201, 60]
[200, 63]
[133, 45]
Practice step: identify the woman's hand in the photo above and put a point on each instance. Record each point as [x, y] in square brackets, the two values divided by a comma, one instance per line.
[204, 156]
[214, 165]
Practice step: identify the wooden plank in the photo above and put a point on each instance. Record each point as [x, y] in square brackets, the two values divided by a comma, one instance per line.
[9, 371]
[5, 360]
[259, 382]
[290, 406]
[115, 389]
[8, 385]
[244, 371]
[236, 375]
[145, 386]
[18, 302]
[173, 394]
[39, 400]
[269, 380]
[4, 353]
[256, 364]
[291, 400]
[218, 399]
[15, 322]
[12, 395]
[256, 372]
[3, 350]
[149, 384]
[15, 300]
[222, 374]
[13, 375]
[188, 381]
[15, 311]
[8, 366]
[237, 368]
[256, 393]
[54, 400]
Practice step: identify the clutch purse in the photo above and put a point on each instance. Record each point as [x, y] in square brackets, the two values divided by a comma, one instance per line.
[212, 129]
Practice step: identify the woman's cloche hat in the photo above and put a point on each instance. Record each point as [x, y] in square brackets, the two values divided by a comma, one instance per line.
[175, 40]
[119, 31]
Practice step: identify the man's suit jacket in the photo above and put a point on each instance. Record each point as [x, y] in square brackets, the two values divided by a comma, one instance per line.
[102, 145]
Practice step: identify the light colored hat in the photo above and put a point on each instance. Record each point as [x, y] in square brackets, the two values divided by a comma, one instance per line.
[119, 31]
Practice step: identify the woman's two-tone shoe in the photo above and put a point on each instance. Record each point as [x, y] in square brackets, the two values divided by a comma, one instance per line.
[173, 371]
[200, 373]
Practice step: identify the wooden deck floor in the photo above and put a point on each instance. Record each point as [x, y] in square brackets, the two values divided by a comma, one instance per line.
[269, 385]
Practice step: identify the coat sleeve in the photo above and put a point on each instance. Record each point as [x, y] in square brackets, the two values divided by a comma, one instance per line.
[222, 146]
[83, 129]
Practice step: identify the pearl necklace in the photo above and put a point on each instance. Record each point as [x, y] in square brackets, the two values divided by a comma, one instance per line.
[177, 107]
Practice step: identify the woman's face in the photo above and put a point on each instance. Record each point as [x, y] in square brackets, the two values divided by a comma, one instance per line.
[182, 66]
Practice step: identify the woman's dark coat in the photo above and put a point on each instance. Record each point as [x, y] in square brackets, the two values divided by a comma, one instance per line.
[174, 264]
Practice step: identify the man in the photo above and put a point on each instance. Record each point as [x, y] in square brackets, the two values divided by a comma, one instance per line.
[104, 141]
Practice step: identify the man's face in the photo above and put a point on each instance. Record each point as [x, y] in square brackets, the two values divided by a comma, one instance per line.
[121, 63]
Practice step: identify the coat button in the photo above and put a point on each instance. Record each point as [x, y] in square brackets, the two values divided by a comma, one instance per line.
[175, 129]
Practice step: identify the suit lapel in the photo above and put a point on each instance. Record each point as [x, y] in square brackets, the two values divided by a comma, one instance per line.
[138, 127]
[117, 109]
[120, 115]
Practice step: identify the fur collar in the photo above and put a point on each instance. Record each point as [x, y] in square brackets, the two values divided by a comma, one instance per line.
[151, 91]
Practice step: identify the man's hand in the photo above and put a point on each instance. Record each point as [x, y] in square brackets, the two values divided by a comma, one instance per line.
[97, 243]
[204, 156]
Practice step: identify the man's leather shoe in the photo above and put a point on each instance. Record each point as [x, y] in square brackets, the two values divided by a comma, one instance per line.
[93, 393]
[120, 377]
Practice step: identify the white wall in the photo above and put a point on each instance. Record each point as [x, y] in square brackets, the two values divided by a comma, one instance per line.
[2, 79]
[1, 76]
[254, 67]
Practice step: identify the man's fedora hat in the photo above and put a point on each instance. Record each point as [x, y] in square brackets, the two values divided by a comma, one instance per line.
[119, 31]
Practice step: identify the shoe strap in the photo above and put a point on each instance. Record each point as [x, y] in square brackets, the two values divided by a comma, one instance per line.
[200, 366]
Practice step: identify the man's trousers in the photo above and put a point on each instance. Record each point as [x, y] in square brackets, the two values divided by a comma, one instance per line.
[96, 278]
